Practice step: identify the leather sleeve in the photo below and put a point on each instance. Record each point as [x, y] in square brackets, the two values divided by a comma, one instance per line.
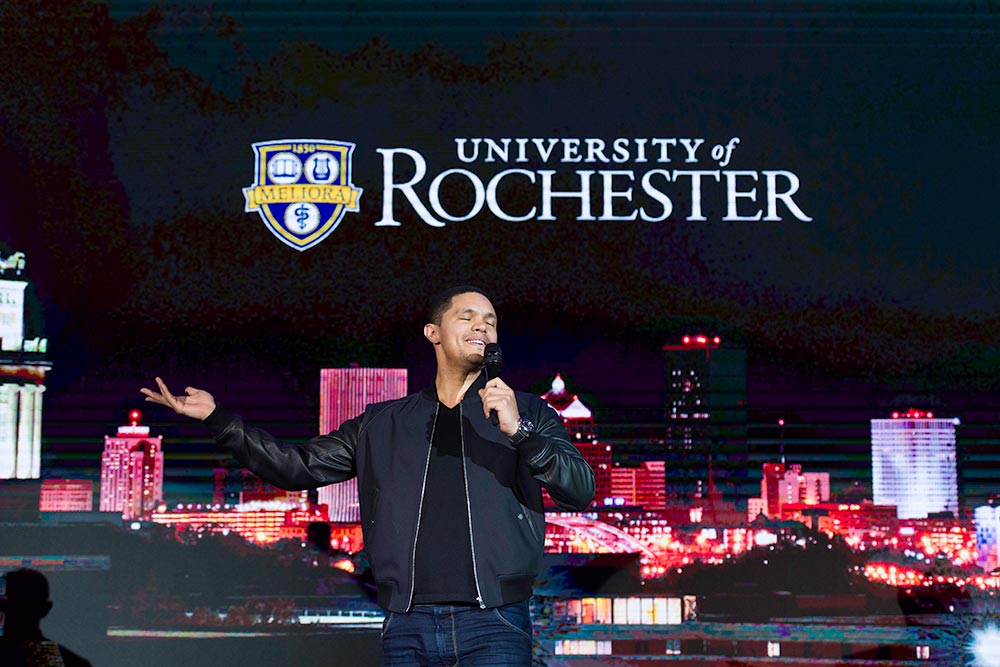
[556, 463]
[319, 461]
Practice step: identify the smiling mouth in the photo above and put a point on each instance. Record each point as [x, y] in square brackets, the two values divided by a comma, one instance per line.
[476, 341]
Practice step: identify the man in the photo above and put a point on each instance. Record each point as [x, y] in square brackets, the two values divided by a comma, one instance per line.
[451, 505]
[22, 608]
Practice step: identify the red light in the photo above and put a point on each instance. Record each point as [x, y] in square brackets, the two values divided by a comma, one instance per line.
[701, 339]
[134, 417]
[913, 413]
[781, 422]
[895, 415]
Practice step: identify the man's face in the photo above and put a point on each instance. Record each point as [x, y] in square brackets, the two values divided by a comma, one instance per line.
[465, 329]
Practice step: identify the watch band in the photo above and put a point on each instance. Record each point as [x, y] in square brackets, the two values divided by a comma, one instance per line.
[524, 430]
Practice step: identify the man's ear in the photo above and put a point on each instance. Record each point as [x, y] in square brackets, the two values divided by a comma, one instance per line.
[431, 333]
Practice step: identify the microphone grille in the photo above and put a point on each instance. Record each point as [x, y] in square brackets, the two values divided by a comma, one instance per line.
[493, 358]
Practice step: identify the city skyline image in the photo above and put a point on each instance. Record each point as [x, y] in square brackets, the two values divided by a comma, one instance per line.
[745, 252]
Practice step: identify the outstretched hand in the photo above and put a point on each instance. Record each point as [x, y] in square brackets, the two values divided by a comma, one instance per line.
[198, 403]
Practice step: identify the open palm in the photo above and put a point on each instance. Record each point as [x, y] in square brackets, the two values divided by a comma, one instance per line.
[195, 403]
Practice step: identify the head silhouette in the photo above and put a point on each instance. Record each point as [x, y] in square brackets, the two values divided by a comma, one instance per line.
[27, 601]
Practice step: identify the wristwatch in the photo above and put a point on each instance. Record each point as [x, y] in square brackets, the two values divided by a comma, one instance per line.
[525, 428]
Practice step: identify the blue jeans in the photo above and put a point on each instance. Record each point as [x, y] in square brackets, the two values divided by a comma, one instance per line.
[445, 636]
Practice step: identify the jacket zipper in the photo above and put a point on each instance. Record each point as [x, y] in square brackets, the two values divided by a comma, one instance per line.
[468, 505]
[420, 509]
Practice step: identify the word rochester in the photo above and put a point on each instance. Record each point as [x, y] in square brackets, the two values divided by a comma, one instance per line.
[525, 190]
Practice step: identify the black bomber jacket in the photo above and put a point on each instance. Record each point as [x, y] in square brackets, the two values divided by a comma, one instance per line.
[388, 448]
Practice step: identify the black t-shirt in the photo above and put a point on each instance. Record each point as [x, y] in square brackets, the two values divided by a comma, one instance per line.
[444, 570]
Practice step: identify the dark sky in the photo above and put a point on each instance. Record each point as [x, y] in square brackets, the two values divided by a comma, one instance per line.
[125, 138]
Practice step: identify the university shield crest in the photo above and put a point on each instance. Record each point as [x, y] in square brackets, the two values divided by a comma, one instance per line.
[302, 188]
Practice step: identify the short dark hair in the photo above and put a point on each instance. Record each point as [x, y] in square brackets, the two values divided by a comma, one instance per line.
[27, 594]
[442, 301]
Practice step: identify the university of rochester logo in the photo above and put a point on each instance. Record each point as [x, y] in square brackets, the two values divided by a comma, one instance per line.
[302, 188]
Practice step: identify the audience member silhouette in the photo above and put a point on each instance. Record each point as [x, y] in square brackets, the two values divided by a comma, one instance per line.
[23, 607]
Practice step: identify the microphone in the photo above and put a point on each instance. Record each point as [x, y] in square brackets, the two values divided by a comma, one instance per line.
[493, 358]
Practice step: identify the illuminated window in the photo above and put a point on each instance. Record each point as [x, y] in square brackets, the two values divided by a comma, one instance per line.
[620, 611]
[774, 649]
[923, 652]
[587, 611]
[647, 611]
[582, 647]
[673, 647]
[660, 611]
[634, 616]
[602, 610]
[673, 610]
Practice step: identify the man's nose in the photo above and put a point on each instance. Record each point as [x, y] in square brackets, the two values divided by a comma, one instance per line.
[479, 325]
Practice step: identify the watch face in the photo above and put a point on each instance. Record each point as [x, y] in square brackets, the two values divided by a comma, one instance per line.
[526, 425]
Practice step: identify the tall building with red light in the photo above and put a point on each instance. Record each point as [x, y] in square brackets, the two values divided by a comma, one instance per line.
[914, 463]
[132, 471]
[22, 377]
[705, 415]
[579, 422]
[770, 488]
[344, 393]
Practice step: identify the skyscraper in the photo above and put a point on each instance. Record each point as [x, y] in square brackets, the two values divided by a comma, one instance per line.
[987, 521]
[781, 485]
[640, 486]
[705, 418]
[132, 471]
[22, 378]
[579, 422]
[770, 488]
[344, 393]
[913, 464]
